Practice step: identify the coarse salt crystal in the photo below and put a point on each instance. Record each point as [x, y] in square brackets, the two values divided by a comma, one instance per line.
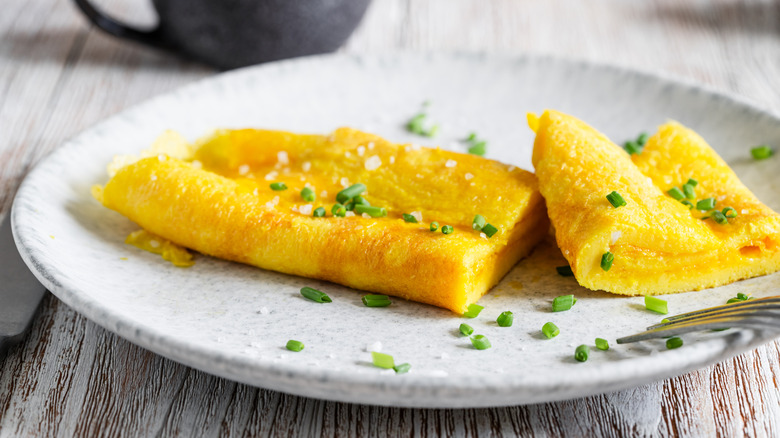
[282, 157]
[294, 208]
[745, 211]
[197, 164]
[153, 177]
[415, 147]
[324, 194]
[269, 205]
[154, 244]
[243, 169]
[374, 346]
[417, 215]
[255, 192]
[483, 235]
[420, 176]
[331, 356]
[361, 150]
[444, 356]
[306, 209]
[392, 159]
[306, 166]
[616, 235]
[271, 175]
[349, 214]
[162, 157]
[347, 154]
[450, 163]
[366, 215]
[264, 311]
[370, 145]
[308, 185]
[275, 200]
[511, 168]
[373, 162]
[344, 182]
[468, 176]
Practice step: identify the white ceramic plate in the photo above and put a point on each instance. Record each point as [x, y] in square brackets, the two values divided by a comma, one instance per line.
[233, 320]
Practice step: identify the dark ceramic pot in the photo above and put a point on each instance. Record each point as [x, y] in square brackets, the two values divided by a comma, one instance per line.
[233, 33]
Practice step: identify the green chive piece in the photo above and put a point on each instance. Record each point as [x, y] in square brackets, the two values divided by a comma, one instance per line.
[478, 148]
[633, 148]
[478, 222]
[602, 344]
[563, 302]
[706, 204]
[564, 271]
[350, 192]
[472, 136]
[319, 212]
[606, 261]
[371, 210]
[277, 186]
[480, 342]
[294, 345]
[505, 319]
[315, 295]
[550, 330]
[489, 230]
[687, 203]
[447, 229]
[656, 305]
[308, 194]
[473, 311]
[466, 329]
[434, 226]
[642, 139]
[739, 298]
[729, 212]
[376, 300]
[616, 200]
[676, 193]
[409, 218]
[349, 206]
[581, 353]
[432, 132]
[692, 182]
[382, 360]
[761, 152]
[415, 125]
[674, 342]
[689, 191]
[402, 369]
[359, 200]
[338, 210]
[719, 217]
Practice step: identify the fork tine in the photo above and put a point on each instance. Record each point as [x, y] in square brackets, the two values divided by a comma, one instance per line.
[773, 300]
[773, 309]
[674, 329]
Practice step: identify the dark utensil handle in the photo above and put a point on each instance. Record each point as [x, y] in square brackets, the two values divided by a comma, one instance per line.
[153, 37]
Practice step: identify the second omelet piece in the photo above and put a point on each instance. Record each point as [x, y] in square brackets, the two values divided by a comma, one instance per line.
[216, 198]
[659, 244]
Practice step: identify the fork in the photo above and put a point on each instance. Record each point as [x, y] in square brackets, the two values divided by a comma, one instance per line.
[760, 313]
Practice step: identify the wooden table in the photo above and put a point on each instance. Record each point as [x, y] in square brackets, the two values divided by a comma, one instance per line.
[58, 76]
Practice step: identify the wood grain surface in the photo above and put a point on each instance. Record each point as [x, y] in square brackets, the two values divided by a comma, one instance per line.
[70, 377]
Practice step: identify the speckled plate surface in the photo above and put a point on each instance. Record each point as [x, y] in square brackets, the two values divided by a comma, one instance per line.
[233, 320]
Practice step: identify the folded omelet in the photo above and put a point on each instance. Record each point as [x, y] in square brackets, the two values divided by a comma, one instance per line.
[658, 244]
[216, 198]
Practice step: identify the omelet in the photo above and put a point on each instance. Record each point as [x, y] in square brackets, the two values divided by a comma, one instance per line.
[239, 195]
[654, 243]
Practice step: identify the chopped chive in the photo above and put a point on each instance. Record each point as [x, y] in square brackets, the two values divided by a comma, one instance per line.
[466, 329]
[447, 229]
[308, 194]
[676, 193]
[656, 305]
[489, 230]
[338, 210]
[409, 218]
[472, 136]
[674, 342]
[642, 139]
[581, 353]
[706, 204]
[563, 302]
[434, 226]
[602, 344]
[729, 212]
[480, 342]
[606, 261]
[277, 186]
[319, 212]
[739, 298]
[505, 319]
[315, 295]
[415, 125]
[550, 330]
[294, 345]
[478, 148]
[692, 182]
[564, 271]
[616, 200]
[687, 203]
[431, 132]
[350, 192]
[371, 210]
[633, 148]
[473, 311]
[719, 217]
[478, 222]
[349, 206]
[382, 360]
[761, 152]
[689, 191]
[359, 200]
[402, 369]
[376, 300]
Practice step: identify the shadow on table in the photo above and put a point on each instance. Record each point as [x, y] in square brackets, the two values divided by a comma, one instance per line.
[722, 16]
